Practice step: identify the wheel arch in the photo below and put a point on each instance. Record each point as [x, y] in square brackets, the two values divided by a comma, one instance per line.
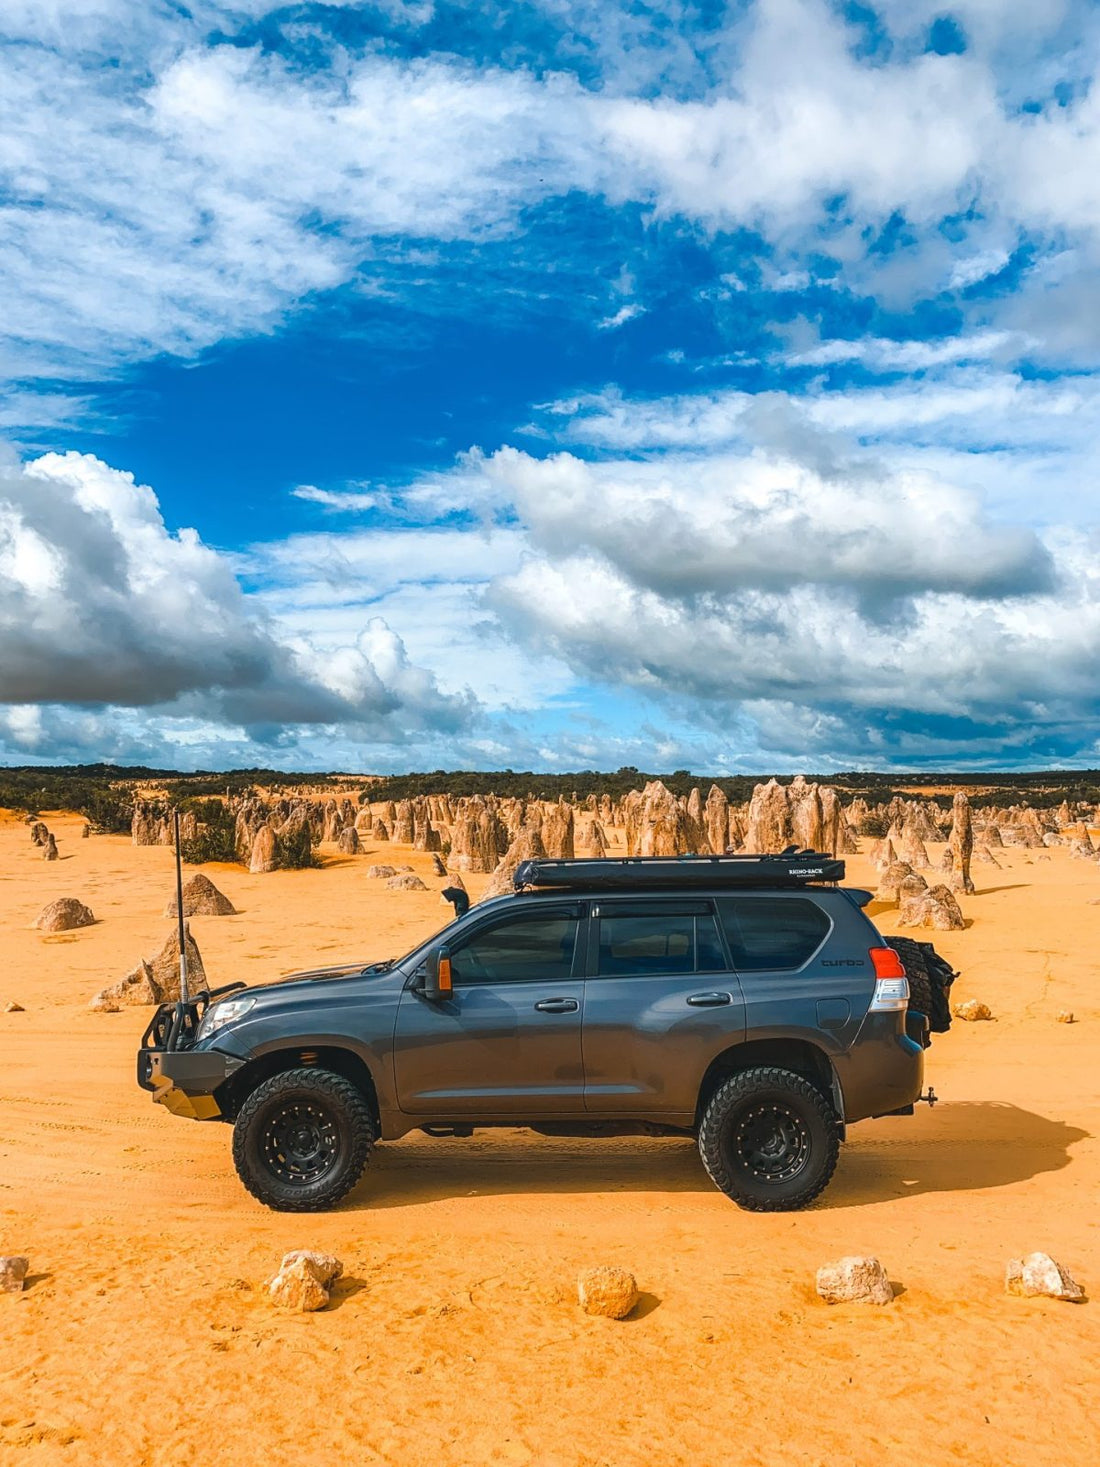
[338, 1059]
[788, 1052]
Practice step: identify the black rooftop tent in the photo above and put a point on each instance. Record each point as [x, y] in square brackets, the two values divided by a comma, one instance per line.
[676, 873]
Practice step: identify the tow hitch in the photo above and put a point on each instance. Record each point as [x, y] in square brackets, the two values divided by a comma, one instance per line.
[929, 1097]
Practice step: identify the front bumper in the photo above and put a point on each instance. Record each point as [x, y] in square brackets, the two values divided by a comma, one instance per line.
[178, 1076]
[184, 1081]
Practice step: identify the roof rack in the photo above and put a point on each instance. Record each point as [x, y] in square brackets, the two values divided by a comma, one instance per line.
[791, 867]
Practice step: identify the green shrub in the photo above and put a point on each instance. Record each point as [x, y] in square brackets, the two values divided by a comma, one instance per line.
[294, 849]
[215, 837]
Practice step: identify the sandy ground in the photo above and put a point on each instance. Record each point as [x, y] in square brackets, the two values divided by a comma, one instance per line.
[144, 1337]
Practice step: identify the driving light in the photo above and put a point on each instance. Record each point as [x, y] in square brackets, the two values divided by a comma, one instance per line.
[228, 1011]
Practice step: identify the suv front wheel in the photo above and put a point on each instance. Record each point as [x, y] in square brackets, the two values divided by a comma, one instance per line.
[302, 1139]
[769, 1139]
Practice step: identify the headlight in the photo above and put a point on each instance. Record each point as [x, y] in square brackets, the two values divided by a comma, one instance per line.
[227, 1011]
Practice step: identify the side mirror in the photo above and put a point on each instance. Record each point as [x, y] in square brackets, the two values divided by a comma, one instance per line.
[438, 981]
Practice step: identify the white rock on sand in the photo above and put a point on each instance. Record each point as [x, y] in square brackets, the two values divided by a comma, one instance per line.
[854, 1280]
[1038, 1276]
[973, 1010]
[304, 1280]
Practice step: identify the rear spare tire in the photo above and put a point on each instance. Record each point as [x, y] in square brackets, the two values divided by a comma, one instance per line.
[301, 1140]
[930, 979]
[769, 1139]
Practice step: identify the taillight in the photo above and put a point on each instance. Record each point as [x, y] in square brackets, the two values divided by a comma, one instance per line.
[886, 963]
[891, 984]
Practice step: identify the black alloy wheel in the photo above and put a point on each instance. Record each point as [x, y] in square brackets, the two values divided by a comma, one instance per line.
[769, 1139]
[302, 1139]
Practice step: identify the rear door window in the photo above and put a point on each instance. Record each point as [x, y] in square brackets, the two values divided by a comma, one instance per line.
[636, 945]
[772, 932]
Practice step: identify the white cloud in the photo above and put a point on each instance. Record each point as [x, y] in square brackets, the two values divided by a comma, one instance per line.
[620, 317]
[199, 190]
[344, 501]
[100, 604]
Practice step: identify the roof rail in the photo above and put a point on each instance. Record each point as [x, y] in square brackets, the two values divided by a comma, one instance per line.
[791, 867]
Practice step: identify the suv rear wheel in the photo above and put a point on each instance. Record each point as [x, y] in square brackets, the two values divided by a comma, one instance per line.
[301, 1140]
[769, 1139]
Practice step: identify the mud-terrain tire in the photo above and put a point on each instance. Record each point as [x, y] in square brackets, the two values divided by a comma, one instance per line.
[302, 1139]
[930, 979]
[769, 1139]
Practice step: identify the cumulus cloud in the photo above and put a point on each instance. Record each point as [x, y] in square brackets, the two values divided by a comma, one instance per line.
[101, 604]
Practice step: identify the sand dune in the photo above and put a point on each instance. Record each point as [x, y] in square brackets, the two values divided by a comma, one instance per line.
[144, 1337]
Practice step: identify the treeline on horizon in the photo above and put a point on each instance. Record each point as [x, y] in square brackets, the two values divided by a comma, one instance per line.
[104, 793]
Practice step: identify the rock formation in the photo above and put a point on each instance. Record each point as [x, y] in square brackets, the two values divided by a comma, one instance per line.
[557, 832]
[156, 980]
[262, 858]
[961, 844]
[936, 908]
[527, 846]
[347, 842]
[406, 881]
[201, 898]
[63, 915]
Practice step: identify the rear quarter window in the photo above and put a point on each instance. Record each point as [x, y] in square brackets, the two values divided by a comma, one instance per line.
[772, 932]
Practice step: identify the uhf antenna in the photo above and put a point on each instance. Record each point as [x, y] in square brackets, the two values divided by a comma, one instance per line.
[179, 908]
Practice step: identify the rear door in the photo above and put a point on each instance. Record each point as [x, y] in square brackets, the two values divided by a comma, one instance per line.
[800, 977]
[509, 1042]
[660, 1000]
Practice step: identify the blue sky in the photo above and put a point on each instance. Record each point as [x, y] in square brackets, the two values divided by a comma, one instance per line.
[557, 385]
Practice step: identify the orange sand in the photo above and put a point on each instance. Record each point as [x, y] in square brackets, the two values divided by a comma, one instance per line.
[145, 1339]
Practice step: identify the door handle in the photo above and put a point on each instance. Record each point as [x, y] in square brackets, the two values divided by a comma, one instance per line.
[709, 1000]
[557, 1006]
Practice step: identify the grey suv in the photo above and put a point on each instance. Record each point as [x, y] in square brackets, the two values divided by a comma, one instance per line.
[747, 1001]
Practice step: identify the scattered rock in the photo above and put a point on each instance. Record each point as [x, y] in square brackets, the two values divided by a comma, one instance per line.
[973, 1010]
[1038, 1275]
[201, 898]
[63, 915]
[13, 1272]
[85, 832]
[304, 1280]
[14, 1008]
[854, 1280]
[49, 852]
[347, 842]
[406, 881]
[379, 873]
[438, 868]
[611, 1292]
[155, 981]
[39, 833]
[1065, 1016]
[936, 908]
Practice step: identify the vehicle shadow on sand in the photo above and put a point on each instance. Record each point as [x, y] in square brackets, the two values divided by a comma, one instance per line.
[959, 1147]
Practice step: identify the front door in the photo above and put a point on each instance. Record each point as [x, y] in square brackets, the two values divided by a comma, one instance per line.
[509, 1041]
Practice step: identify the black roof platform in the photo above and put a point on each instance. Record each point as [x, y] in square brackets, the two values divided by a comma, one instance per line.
[677, 873]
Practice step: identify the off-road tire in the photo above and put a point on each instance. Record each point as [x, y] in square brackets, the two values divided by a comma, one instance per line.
[272, 1132]
[930, 979]
[732, 1139]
